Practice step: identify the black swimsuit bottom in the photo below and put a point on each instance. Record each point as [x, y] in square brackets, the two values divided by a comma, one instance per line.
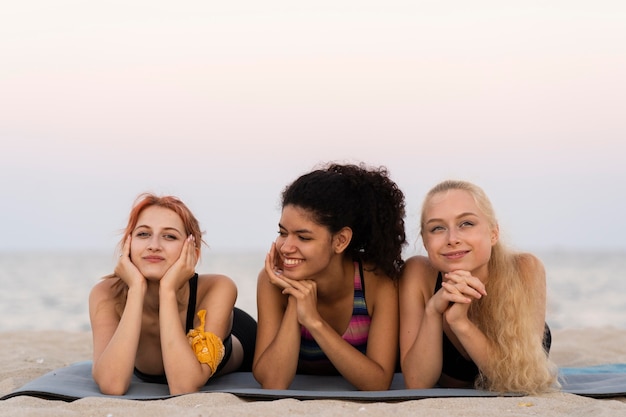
[191, 310]
[456, 366]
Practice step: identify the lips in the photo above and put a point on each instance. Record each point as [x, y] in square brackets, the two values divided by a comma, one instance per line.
[456, 254]
[291, 262]
[153, 258]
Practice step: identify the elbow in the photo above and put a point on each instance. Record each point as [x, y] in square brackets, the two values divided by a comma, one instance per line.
[113, 388]
[185, 385]
[111, 384]
[382, 384]
[181, 389]
[417, 384]
[418, 379]
[274, 385]
[271, 382]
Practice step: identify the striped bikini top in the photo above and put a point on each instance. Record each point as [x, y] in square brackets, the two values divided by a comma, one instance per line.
[312, 359]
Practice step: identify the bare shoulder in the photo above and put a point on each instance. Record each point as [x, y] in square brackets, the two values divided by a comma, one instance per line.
[417, 272]
[529, 263]
[103, 290]
[417, 264]
[105, 299]
[376, 282]
[269, 296]
[531, 268]
[264, 286]
[212, 281]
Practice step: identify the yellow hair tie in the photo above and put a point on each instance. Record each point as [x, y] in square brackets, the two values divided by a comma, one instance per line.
[207, 346]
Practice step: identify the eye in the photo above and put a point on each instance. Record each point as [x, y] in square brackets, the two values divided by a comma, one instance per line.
[282, 233]
[170, 237]
[467, 223]
[436, 229]
[142, 235]
[304, 238]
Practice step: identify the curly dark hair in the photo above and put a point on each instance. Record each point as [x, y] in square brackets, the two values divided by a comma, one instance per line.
[362, 198]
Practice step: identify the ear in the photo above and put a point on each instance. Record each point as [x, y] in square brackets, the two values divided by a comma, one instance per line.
[495, 234]
[342, 239]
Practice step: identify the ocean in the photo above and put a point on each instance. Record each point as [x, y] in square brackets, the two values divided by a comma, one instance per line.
[49, 291]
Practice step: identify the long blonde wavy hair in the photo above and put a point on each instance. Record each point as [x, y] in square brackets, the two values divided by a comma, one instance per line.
[520, 363]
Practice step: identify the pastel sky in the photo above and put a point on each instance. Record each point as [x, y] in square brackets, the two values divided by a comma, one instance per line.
[223, 103]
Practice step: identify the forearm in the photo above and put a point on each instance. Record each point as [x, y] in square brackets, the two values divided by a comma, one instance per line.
[184, 372]
[422, 362]
[276, 367]
[475, 343]
[113, 368]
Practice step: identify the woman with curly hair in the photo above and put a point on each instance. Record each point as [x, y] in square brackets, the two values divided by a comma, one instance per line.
[472, 312]
[327, 298]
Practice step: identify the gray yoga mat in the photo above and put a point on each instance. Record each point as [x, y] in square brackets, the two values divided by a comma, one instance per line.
[75, 381]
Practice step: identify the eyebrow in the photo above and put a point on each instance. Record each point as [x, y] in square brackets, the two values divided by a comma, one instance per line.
[469, 213]
[280, 226]
[165, 228]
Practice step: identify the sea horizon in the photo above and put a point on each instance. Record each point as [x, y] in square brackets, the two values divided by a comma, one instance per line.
[48, 289]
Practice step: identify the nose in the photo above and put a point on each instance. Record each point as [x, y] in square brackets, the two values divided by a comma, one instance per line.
[453, 237]
[154, 244]
[286, 244]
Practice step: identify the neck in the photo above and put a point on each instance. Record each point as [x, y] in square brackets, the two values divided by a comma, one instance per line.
[337, 282]
[151, 299]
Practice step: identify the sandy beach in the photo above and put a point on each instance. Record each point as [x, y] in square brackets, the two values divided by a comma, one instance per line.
[25, 356]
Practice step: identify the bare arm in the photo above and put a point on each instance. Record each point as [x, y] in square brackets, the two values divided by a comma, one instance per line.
[278, 337]
[421, 325]
[375, 369]
[185, 373]
[115, 339]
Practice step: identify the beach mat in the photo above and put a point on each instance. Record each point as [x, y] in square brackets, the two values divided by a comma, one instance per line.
[74, 382]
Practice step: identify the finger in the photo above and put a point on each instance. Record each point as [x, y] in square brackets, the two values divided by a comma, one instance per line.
[126, 247]
[465, 279]
[279, 281]
[191, 251]
[270, 263]
[453, 294]
[468, 290]
[272, 275]
[187, 252]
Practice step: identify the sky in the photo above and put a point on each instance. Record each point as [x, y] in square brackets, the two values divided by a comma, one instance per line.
[225, 103]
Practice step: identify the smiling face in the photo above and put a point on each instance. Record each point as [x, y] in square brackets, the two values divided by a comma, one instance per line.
[457, 235]
[305, 247]
[157, 241]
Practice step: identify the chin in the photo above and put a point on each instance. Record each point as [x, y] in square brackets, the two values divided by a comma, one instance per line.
[152, 275]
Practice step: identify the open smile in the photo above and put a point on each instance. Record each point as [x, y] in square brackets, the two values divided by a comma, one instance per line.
[291, 262]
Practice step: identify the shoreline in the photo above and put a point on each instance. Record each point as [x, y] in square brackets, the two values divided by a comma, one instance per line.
[25, 356]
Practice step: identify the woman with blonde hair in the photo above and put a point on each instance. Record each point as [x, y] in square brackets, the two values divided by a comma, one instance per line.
[472, 312]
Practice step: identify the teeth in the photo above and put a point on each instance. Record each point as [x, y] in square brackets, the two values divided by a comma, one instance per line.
[291, 261]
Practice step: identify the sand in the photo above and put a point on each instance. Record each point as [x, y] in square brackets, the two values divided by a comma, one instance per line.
[25, 356]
